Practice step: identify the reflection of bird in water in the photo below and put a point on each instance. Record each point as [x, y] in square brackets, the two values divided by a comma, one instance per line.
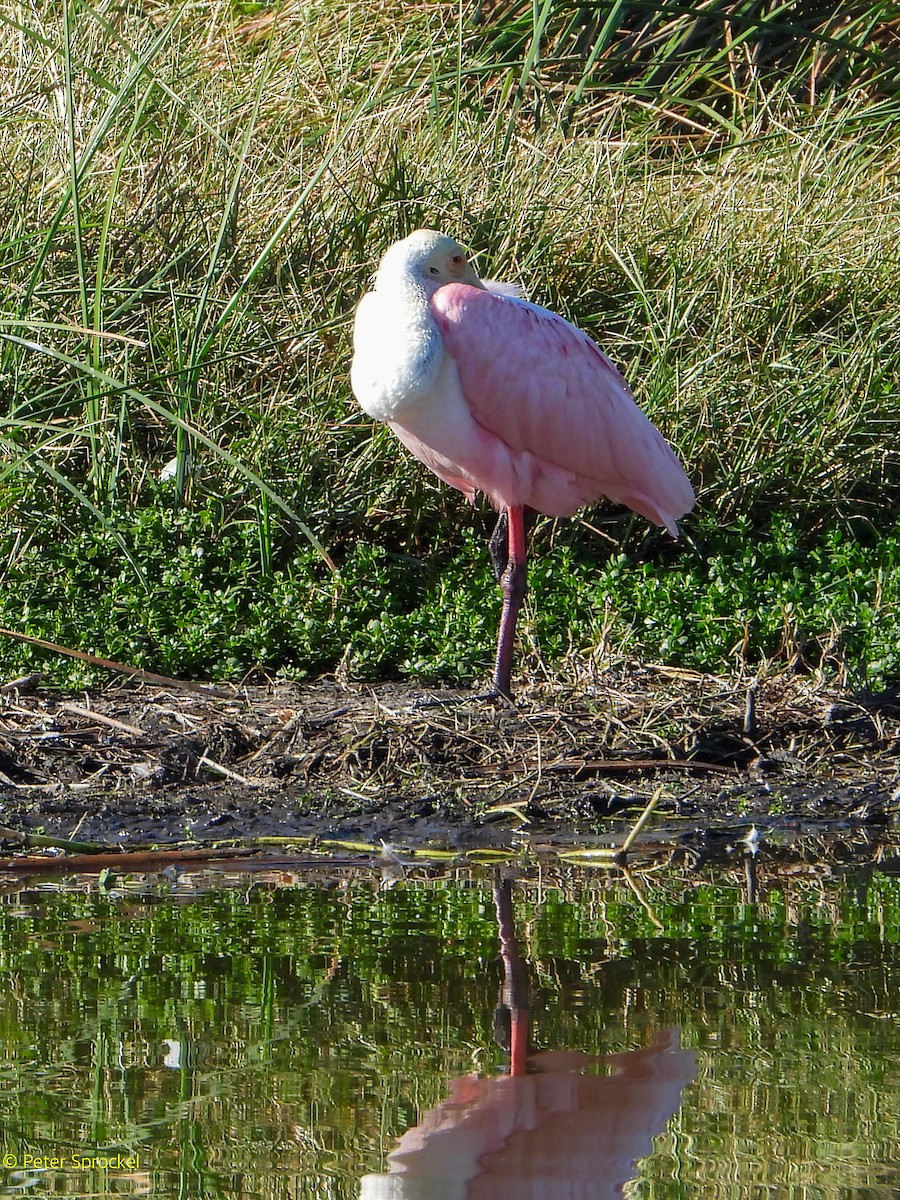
[557, 1134]
[554, 1129]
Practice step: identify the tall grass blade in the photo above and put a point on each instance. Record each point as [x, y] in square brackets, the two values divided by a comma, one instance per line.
[116, 387]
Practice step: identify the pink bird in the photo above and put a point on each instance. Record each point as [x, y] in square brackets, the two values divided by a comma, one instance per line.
[500, 396]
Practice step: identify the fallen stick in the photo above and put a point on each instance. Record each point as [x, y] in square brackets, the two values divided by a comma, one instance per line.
[212, 765]
[23, 684]
[34, 841]
[139, 861]
[600, 766]
[112, 722]
[187, 685]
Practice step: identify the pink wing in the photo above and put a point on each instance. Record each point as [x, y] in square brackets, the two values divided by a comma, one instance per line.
[544, 388]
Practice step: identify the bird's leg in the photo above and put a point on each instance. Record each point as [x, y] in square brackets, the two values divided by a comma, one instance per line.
[498, 546]
[513, 584]
[507, 553]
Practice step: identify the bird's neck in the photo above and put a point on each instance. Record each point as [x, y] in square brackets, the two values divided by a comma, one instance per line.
[397, 349]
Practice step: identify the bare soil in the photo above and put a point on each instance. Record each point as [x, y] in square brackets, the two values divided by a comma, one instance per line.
[781, 763]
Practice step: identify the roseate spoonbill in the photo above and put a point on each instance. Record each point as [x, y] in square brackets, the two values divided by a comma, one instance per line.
[497, 395]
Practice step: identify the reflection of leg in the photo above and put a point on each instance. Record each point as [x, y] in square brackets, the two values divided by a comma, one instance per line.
[515, 971]
[511, 1019]
[518, 1041]
[502, 1030]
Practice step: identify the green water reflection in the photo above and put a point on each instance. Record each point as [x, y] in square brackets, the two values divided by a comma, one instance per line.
[276, 1038]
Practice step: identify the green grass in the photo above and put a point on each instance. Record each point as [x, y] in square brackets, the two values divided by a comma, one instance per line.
[194, 204]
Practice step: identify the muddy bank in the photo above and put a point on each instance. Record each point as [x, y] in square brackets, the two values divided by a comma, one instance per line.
[136, 765]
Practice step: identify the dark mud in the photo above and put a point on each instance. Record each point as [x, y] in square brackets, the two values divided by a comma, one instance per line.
[780, 767]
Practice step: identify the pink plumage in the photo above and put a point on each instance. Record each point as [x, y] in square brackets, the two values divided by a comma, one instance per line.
[498, 395]
[546, 390]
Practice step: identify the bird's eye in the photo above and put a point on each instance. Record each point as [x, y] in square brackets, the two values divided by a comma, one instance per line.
[457, 260]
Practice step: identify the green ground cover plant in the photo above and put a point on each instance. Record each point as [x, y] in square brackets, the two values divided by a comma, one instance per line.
[192, 201]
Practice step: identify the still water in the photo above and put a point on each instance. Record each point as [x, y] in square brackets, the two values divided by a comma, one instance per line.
[564, 1036]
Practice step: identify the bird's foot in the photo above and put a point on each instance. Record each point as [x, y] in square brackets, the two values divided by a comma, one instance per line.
[497, 696]
[494, 695]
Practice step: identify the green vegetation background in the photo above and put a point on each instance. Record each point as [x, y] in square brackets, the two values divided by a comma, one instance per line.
[192, 200]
